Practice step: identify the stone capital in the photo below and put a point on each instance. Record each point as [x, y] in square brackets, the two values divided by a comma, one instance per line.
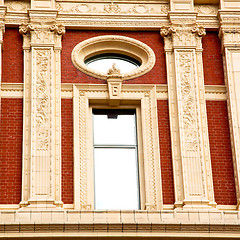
[38, 34]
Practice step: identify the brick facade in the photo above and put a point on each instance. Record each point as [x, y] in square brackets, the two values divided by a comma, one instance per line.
[11, 150]
[221, 153]
[67, 151]
[12, 56]
[165, 152]
[153, 39]
[212, 59]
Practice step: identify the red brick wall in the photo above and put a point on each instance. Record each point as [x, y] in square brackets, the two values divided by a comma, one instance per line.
[221, 155]
[11, 125]
[153, 39]
[67, 151]
[12, 56]
[212, 59]
[165, 152]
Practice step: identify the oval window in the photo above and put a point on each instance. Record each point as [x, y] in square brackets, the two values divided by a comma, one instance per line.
[103, 62]
[95, 56]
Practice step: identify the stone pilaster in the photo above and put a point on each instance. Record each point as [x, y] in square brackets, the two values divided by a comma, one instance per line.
[42, 110]
[190, 146]
[230, 36]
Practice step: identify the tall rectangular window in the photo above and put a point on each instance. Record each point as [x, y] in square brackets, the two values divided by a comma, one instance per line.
[116, 179]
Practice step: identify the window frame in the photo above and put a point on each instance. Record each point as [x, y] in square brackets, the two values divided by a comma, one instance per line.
[142, 97]
[141, 185]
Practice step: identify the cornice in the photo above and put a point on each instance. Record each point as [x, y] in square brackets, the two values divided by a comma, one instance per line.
[118, 15]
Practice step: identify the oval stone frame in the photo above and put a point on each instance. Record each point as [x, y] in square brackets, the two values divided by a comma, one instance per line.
[113, 44]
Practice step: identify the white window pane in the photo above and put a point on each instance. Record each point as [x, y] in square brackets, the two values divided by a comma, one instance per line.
[116, 179]
[104, 62]
[120, 130]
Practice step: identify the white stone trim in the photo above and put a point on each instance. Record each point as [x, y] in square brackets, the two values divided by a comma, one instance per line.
[212, 92]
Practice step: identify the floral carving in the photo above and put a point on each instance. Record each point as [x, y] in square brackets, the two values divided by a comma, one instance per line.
[112, 8]
[206, 9]
[184, 37]
[17, 6]
[42, 98]
[188, 99]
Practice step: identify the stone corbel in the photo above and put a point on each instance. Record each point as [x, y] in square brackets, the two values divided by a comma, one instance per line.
[114, 80]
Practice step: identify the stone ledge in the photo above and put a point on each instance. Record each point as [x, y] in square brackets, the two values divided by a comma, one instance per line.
[143, 218]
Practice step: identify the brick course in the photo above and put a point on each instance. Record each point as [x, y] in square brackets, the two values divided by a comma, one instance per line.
[67, 151]
[11, 126]
[212, 59]
[12, 56]
[221, 154]
[165, 152]
[153, 39]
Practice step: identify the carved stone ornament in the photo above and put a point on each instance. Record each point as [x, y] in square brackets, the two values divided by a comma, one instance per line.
[166, 31]
[113, 8]
[113, 44]
[58, 28]
[114, 70]
[200, 31]
[25, 28]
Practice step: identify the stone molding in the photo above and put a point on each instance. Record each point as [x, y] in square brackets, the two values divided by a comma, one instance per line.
[15, 90]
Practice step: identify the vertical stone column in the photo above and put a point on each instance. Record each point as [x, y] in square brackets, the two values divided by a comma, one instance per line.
[191, 154]
[42, 106]
[3, 10]
[230, 35]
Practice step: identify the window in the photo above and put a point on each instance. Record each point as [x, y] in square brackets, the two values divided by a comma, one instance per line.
[87, 99]
[116, 180]
[123, 49]
[103, 62]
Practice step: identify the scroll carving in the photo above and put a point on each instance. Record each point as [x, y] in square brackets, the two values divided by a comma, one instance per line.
[166, 31]
[25, 28]
[58, 28]
[200, 31]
